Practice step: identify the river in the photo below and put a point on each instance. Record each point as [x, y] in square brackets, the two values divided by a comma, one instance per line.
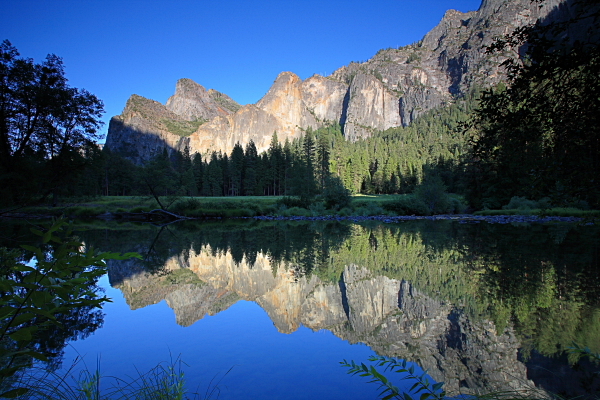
[267, 310]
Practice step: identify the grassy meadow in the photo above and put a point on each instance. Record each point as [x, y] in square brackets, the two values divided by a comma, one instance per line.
[251, 206]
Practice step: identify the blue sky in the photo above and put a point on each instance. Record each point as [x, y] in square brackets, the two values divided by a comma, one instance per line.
[115, 48]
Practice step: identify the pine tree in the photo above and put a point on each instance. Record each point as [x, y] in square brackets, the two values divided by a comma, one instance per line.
[236, 169]
[249, 177]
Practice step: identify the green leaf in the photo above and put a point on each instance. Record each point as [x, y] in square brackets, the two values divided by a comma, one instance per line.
[11, 394]
[5, 285]
[44, 313]
[377, 375]
[36, 355]
[6, 311]
[6, 372]
[37, 232]
[425, 396]
[414, 386]
[39, 298]
[407, 396]
[22, 334]
[437, 386]
[22, 318]
[23, 268]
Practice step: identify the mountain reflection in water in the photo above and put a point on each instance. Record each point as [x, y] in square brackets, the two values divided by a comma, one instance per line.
[482, 307]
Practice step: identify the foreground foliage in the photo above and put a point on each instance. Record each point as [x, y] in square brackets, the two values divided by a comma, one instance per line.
[47, 297]
[422, 384]
[164, 382]
[539, 136]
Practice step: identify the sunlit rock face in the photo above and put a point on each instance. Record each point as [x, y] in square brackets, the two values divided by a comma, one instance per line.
[372, 107]
[192, 102]
[391, 89]
[391, 316]
[280, 111]
[324, 98]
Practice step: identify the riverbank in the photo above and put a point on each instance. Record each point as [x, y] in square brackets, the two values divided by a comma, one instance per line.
[375, 207]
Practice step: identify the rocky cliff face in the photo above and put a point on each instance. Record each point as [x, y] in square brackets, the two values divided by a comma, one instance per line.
[146, 127]
[391, 316]
[391, 89]
[192, 102]
[142, 130]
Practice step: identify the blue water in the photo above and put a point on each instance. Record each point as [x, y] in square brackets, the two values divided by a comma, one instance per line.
[264, 363]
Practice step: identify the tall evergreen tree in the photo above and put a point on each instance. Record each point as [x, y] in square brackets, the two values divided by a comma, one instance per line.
[198, 169]
[249, 178]
[323, 155]
[275, 166]
[236, 169]
[214, 176]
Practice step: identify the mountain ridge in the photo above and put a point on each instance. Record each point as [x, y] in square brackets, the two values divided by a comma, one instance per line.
[389, 90]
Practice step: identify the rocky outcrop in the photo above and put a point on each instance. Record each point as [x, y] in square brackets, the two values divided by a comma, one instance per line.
[192, 102]
[280, 111]
[142, 130]
[324, 98]
[146, 127]
[389, 90]
[371, 107]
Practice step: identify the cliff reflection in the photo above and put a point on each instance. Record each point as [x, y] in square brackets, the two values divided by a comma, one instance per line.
[469, 303]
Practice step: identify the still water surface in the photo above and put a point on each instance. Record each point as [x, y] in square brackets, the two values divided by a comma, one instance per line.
[279, 304]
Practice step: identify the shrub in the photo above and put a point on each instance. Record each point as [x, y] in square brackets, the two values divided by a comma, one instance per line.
[457, 204]
[369, 209]
[407, 205]
[238, 213]
[317, 208]
[422, 383]
[544, 203]
[291, 201]
[267, 210]
[335, 195]
[33, 297]
[345, 212]
[520, 203]
[432, 192]
[296, 212]
[356, 204]
[185, 205]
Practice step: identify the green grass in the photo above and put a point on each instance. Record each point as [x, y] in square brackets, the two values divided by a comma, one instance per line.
[376, 197]
[164, 381]
[210, 207]
[249, 206]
